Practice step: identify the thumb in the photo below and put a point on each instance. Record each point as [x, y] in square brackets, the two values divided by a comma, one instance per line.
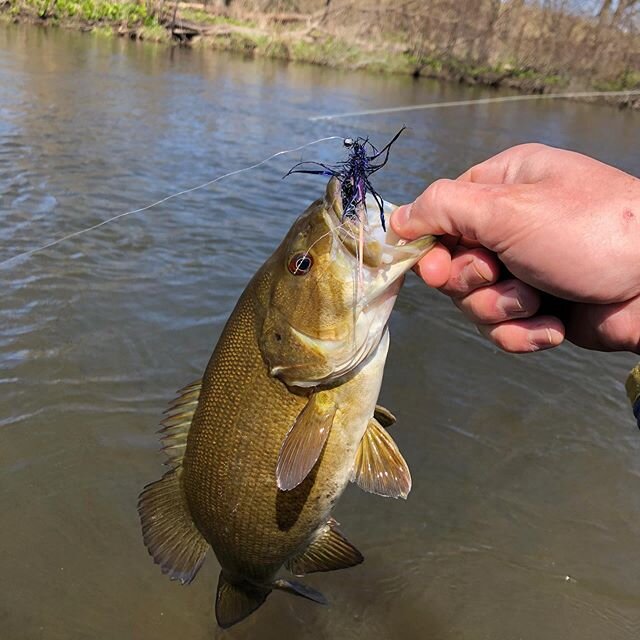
[460, 208]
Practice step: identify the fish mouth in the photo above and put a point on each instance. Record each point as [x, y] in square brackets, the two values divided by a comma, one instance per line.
[385, 256]
[374, 260]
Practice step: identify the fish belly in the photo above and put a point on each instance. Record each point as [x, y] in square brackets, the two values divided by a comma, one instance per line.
[356, 401]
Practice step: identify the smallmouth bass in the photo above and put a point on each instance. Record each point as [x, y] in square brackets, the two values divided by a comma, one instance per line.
[262, 447]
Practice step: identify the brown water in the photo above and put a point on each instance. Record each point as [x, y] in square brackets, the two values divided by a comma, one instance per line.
[524, 519]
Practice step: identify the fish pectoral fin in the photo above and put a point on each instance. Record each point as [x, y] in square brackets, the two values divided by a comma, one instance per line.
[328, 552]
[299, 589]
[379, 466]
[168, 531]
[384, 416]
[304, 442]
[235, 601]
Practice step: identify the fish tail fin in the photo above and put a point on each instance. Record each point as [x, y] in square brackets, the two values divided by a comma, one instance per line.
[235, 601]
[299, 589]
[168, 531]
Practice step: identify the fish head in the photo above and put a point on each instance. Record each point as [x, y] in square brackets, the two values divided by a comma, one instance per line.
[334, 281]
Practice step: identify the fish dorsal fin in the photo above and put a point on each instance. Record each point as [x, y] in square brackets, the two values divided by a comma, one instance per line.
[384, 416]
[168, 530]
[234, 602]
[304, 442]
[175, 426]
[379, 466]
[329, 551]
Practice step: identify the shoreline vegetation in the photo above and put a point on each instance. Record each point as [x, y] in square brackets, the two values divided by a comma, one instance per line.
[534, 46]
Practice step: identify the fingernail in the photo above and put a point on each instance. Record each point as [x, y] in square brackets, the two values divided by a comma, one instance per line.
[400, 216]
[476, 273]
[544, 338]
[510, 304]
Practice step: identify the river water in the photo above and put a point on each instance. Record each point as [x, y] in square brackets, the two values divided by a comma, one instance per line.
[524, 518]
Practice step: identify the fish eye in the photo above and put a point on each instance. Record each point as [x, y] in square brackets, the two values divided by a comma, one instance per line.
[300, 264]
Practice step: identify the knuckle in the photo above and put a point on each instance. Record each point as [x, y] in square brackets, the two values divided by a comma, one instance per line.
[477, 170]
[436, 191]
[531, 147]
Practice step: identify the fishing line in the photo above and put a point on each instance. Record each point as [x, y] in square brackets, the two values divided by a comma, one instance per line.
[340, 227]
[464, 103]
[52, 243]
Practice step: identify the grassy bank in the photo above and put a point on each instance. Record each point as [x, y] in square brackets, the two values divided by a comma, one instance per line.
[390, 38]
[102, 16]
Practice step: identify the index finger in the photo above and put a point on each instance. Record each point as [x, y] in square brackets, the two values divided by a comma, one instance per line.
[505, 167]
[457, 208]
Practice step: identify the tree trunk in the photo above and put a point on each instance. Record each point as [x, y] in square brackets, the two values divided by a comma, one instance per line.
[605, 8]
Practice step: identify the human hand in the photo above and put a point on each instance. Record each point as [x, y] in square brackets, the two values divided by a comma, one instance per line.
[561, 223]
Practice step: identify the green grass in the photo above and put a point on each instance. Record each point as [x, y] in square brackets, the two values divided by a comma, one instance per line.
[276, 48]
[629, 79]
[153, 31]
[328, 51]
[246, 43]
[203, 17]
[91, 11]
[103, 31]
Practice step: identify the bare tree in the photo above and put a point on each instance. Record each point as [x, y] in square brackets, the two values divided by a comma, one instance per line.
[605, 9]
[621, 9]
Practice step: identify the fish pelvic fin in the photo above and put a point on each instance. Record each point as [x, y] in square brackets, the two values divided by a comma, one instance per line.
[237, 600]
[169, 533]
[384, 416]
[328, 552]
[299, 589]
[304, 442]
[175, 426]
[379, 466]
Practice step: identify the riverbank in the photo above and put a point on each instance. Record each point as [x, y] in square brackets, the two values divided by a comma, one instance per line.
[314, 38]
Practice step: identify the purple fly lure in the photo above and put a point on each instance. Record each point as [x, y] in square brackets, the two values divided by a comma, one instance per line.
[354, 172]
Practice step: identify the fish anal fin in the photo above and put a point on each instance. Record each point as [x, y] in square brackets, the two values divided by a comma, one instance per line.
[379, 466]
[168, 531]
[235, 601]
[328, 552]
[177, 422]
[304, 442]
[384, 416]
